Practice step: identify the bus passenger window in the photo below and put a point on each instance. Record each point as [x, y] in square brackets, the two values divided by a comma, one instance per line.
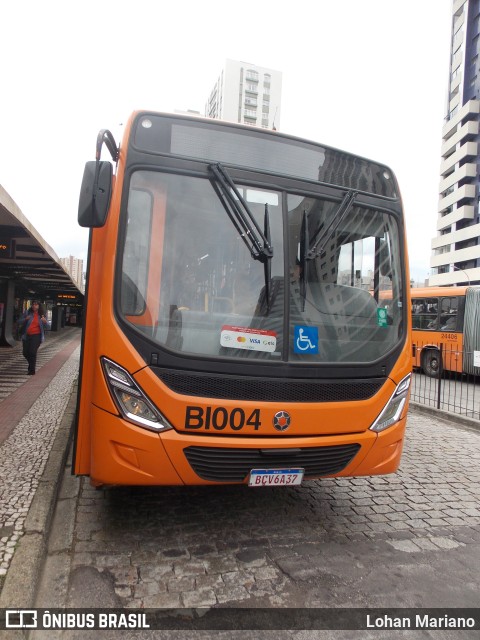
[424, 314]
[448, 318]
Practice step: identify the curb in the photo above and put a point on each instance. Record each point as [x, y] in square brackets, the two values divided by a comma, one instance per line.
[462, 421]
[24, 573]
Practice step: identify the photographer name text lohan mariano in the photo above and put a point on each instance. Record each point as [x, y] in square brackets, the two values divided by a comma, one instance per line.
[419, 621]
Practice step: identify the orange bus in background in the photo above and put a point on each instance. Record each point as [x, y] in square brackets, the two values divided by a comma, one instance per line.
[446, 329]
[235, 330]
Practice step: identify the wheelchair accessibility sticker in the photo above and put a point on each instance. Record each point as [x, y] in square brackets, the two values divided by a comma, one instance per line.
[306, 339]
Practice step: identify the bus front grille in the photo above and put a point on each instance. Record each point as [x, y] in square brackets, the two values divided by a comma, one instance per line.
[219, 464]
[268, 389]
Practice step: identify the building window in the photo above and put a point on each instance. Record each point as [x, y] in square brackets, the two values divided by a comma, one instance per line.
[453, 112]
[447, 192]
[466, 244]
[475, 43]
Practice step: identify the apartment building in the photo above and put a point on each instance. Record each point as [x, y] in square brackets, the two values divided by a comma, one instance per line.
[74, 266]
[248, 94]
[456, 248]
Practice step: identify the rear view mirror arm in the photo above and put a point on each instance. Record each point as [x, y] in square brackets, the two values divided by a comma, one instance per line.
[106, 137]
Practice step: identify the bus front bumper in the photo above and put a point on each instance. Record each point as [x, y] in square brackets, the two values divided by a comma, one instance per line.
[124, 454]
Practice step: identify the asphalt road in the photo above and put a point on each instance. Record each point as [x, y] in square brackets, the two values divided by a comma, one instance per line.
[455, 393]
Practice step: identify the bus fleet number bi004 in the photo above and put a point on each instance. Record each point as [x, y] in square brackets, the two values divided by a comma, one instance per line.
[220, 418]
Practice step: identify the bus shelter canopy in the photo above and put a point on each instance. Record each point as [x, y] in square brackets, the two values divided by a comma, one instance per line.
[27, 260]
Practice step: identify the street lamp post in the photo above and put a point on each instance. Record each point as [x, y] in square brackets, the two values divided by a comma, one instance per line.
[466, 274]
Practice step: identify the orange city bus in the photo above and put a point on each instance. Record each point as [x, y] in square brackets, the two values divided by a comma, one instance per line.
[234, 330]
[446, 329]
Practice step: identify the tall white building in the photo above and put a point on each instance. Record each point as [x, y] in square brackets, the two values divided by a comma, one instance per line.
[74, 266]
[456, 248]
[248, 94]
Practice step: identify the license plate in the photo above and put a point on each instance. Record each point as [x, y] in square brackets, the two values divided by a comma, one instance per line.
[275, 477]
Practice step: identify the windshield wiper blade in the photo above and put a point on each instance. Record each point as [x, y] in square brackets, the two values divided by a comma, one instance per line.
[337, 218]
[267, 264]
[257, 242]
[303, 258]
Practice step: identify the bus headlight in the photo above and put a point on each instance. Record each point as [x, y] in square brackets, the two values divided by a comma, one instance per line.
[131, 401]
[394, 407]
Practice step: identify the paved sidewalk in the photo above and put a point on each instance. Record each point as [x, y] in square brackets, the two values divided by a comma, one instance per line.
[16, 396]
[13, 366]
[32, 414]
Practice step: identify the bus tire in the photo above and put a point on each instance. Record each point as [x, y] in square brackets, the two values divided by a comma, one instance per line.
[432, 363]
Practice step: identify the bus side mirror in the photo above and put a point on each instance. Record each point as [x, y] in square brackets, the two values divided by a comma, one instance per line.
[95, 194]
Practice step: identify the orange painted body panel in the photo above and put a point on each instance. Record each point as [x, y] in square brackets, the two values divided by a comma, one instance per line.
[452, 347]
[308, 419]
[113, 451]
[101, 261]
[125, 454]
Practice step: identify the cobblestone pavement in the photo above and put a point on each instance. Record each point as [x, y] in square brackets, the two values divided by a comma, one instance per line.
[13, 366]
[25, 451]
[407, 540]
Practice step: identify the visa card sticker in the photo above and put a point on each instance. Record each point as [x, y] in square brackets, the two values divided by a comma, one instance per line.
[246, 338]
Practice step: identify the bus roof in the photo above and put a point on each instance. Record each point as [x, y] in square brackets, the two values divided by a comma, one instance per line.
[433, 292]
[260, 149]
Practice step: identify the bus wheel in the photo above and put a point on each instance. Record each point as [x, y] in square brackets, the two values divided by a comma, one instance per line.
[431, 363]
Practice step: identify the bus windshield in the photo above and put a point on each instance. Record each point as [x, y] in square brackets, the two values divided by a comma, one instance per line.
[191, 283]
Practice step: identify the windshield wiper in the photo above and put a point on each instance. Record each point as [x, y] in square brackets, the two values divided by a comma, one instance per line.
[337, 218]
[310, 251]
[267, 264]
[304, 248]
[257, 241]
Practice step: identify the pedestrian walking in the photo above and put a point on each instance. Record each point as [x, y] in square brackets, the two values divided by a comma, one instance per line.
[32, 327]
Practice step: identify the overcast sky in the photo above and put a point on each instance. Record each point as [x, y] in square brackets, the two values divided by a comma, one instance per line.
[367, 76]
